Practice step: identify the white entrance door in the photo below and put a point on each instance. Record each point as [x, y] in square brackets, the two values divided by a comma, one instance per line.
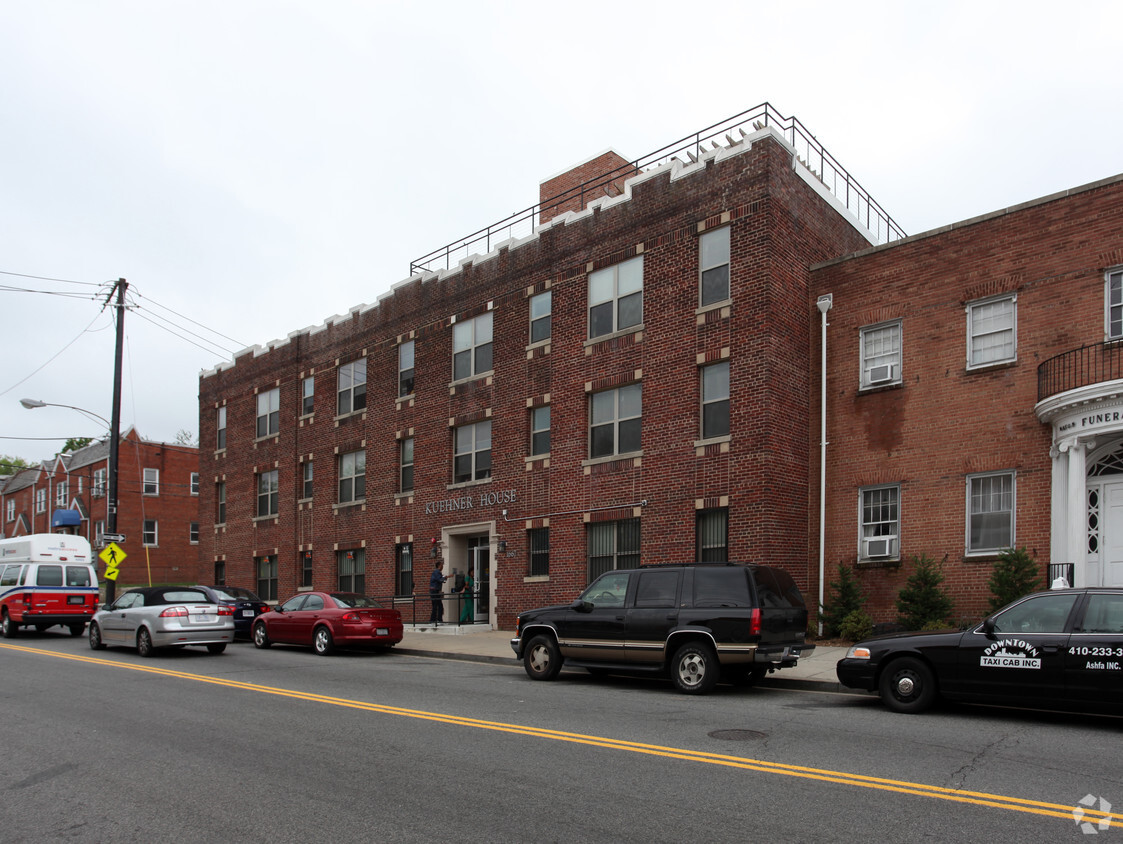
[1111, 561]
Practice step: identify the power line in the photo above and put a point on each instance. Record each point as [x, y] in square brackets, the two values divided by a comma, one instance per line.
[182, 316]
[52, 358]
[47, 278]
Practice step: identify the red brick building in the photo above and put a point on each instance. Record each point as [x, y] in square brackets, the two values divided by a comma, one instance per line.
[158, 504]
[630, 372]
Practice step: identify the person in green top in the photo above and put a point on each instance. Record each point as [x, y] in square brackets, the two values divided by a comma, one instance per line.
[467, 602]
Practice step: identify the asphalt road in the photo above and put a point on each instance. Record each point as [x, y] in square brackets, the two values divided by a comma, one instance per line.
[282, 745]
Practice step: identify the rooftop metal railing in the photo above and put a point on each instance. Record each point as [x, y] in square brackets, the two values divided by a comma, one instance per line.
[1090, 364]
[814, 156]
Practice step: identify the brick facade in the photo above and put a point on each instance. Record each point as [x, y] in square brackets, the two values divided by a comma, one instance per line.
[170, 504]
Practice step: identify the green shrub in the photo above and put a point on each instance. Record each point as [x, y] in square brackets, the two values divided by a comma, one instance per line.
[856, 626]
[924, 604]
[845, 598]
[1015, 575]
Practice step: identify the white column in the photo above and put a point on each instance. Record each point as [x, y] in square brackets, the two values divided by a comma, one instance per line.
[1077, 534]
[1058, 506]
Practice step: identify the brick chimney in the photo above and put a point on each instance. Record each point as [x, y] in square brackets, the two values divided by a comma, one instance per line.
[602, 175]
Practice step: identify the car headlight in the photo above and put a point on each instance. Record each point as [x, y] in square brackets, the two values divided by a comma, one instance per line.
[858, 652]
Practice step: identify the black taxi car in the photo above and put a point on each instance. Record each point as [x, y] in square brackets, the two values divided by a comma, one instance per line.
[694, 622]
[1061, 649]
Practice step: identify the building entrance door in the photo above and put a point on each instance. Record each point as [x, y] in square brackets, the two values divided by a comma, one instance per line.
[1111, 567]
[479, 558]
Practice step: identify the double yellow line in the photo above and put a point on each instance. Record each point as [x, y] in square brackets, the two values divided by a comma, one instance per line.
[977, 798]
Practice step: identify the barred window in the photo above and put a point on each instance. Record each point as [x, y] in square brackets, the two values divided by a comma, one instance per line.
[612, 545]
[352, 567]
[712, 532]
[538, 547]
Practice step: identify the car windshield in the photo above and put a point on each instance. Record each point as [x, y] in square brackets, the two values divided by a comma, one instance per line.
[235, 593]
[181, 596]
[346, 600]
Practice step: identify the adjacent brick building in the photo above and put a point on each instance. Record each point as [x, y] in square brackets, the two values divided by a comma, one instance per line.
[631, 372]
[158, 504]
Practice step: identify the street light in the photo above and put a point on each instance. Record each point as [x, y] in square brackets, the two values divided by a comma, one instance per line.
[114, 436]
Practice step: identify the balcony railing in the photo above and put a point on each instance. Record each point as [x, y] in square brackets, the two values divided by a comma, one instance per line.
[1091, 364]
[813, 154]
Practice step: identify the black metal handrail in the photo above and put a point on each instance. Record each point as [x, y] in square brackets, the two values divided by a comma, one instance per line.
[425, 602]
[833, 176]
[1090, 364]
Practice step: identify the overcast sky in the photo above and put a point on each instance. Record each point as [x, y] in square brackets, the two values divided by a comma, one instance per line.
[253, 167]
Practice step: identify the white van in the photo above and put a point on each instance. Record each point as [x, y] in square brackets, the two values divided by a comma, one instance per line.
[47, 579]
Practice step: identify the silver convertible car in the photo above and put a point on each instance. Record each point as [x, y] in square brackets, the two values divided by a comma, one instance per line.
[163, 617]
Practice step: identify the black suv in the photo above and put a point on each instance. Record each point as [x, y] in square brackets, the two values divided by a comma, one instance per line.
[694, 622]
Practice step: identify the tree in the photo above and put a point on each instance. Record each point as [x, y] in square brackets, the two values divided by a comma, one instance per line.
[924, 604]
[1015, 575]
[75, 443]
[846, 597]
[10, 465]
[185, 437]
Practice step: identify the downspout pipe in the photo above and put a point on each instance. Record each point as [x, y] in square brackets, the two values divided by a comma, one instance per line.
[824, 304]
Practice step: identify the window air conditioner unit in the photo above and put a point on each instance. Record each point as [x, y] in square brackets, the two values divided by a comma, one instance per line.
[880, 374]
[881, 546]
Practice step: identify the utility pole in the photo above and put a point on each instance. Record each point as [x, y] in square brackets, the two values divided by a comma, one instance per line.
[115, 427]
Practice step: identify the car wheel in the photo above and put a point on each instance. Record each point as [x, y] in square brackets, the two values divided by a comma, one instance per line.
[216, 647]
[542, 659]
[77, 629]
[144, 643]
[10, 628]
[695, 668]
[96, 644]
[321, 641]
[907, 685]
[261, 635]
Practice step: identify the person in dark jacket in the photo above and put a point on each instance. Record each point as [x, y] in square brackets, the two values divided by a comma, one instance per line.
[436, 581]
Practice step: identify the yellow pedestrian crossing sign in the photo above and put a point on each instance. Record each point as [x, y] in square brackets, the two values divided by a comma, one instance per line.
[112, 555]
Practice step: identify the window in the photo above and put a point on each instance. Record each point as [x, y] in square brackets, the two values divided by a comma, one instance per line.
[991, 331]
[100, 482]
[220, 572]
[151, 481]
[613, 545]
[220, 503]
[541, 307]
[193, 533]
[99, 532]
[41, 501]
[715, 400]
[614, 421]
[713, 266]
[472, 453]
[1039, 614]
[306, 569]
[352, 389]
[306, 488]
[657, 589]
[352, 570]
[616, 298]
[60, 494]
[79, 484]
[538, 548]
[1113, 297]
[194, 483]
[990, 512]
[540, 431]
[881, 354]
[712, 532]
[405, 369]
[407, 465]
[880, 522]
[269, 412]
[220, 429]
[151, 534]
[352, 477]
[403, 569]
[308, 396]
[11, 509]
[267, 493]
[267, 577]
[471, 347]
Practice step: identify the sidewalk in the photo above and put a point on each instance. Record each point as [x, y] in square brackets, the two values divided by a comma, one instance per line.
[475, 643]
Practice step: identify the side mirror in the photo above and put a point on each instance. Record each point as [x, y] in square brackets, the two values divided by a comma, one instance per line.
[988, 625]
[581, 606]
[273, 609]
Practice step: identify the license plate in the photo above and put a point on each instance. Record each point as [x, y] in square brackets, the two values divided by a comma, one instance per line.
[203, 618]
[76, 599]
[247, 613]
[382, 631]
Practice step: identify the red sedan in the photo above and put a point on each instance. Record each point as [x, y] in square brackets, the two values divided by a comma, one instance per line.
[327, 621]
